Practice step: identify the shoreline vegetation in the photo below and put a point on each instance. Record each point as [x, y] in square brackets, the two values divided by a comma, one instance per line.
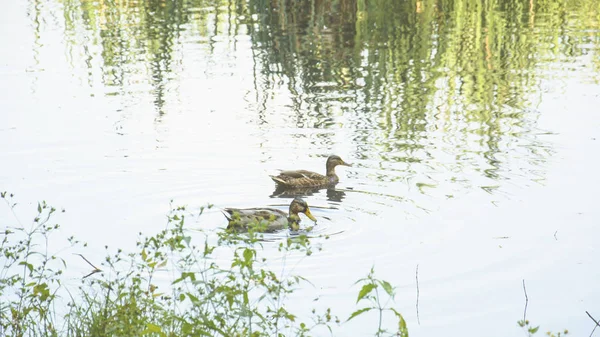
[122, 297]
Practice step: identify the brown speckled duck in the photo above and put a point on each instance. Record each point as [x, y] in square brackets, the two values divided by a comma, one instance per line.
[303, 178]
[267, 220]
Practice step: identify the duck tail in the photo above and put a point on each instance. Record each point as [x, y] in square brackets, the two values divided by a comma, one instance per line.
[227, 213]
[279, 180]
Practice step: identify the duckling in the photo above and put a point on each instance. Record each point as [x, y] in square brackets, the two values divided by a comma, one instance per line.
[267, 220]
[303, 178]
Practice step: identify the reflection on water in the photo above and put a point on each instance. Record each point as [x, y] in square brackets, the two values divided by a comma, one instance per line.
[332, 193]
[122, 105]
[428, 93]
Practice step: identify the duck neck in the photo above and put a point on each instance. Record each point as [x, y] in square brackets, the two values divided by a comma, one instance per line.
[294, 221]
[331, 171]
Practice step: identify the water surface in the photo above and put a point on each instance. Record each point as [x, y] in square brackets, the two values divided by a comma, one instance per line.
[473, 130]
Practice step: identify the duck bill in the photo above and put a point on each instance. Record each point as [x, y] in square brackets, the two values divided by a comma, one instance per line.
[346, 164]
[309, 215]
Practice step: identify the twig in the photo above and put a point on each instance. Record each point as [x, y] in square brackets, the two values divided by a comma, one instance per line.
[417, 277]
[526, 301]
[595, 321]
[92, 273]
[88, 262]
[96, 269]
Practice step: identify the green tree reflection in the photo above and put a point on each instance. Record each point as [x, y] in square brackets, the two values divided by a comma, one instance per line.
[461, 74]
[408, 68]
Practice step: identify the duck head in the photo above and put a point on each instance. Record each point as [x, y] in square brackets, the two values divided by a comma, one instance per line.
[334, 161]
[298, 205]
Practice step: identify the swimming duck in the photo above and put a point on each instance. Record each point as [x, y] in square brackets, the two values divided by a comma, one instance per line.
[267, 220]
[303, 178]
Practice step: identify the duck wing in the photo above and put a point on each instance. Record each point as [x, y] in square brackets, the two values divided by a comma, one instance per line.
[300, 178]
[240, 218]
[301, 174]
[259, 212]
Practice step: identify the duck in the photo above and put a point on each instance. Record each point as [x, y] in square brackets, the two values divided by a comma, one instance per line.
[267, 220]
[303, 178]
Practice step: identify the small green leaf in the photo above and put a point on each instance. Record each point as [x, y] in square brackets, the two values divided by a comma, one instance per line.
[151, 328]
[387, 287]
[184, 275]
[534, 330]
[40, 288]
[28, 265]
[366, 289]
[193, 298]
[358, 312]
[401, 324]
[248, 253]
[39, 209]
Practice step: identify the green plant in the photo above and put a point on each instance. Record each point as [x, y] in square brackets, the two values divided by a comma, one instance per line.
[242, 298]
[370, 293]
[179, 282]
[30, 276]
[530, 330]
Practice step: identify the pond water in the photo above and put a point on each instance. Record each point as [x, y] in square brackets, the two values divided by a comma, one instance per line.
[473, 129]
